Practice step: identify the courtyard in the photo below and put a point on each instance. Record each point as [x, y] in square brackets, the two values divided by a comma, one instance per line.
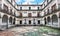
[30, 31]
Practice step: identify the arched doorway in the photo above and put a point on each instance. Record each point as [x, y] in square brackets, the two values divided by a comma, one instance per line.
[29, 21]
[54, 20]
[45, 21]
[38, 21]
[49, 20]
[10, 20]
[20, 21]
[5, 19]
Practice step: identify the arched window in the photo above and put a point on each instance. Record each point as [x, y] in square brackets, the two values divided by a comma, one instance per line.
[5, 19]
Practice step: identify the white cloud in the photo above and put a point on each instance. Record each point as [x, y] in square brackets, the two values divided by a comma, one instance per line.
[41, 3]
[17, 0]
[28, 1]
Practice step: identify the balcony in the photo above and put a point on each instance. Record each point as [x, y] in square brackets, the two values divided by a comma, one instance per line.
[3, 10]
[52, 11]
[6, 11]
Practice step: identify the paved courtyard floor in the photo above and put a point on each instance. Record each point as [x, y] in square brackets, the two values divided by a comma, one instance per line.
[30, 31]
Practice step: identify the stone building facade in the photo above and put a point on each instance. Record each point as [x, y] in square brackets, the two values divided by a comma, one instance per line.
[12, 14]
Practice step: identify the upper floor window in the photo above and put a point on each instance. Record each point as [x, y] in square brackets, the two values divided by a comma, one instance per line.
[20, 8]
[44, 5]
[29, 15]
[38, 14]
[48, 10]
[20, 14]
[53, 7]
[29, 8]
[38, 8]
[5, 7]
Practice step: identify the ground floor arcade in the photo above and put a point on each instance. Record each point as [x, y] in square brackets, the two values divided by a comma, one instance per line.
[6, 20]
[30, 21]
[52, 20]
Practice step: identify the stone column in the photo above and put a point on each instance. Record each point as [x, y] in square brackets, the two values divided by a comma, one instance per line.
[8, 23]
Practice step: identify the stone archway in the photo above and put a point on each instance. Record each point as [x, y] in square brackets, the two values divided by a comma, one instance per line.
[5, 19]
[49, 20]
[54, 20]
[10, 20]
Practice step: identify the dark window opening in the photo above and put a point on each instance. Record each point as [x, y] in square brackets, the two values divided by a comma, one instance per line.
[29, 8]
[29, 21]
[20, 22]
[20, 8]
[38, 21]
[38, 8]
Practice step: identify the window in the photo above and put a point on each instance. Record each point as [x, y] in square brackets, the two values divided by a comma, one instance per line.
[20, 14]
[5, 7]
[38, 8]
[14, 14]
[38, 21]
[44, 4]
[29, 8]
[38, 14]
[48, 11]
[29, 15]
[21, 22]
[20, 8]
[29, 21]
[53, 7]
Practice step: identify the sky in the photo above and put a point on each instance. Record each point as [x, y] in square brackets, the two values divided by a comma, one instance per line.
[29, 2]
